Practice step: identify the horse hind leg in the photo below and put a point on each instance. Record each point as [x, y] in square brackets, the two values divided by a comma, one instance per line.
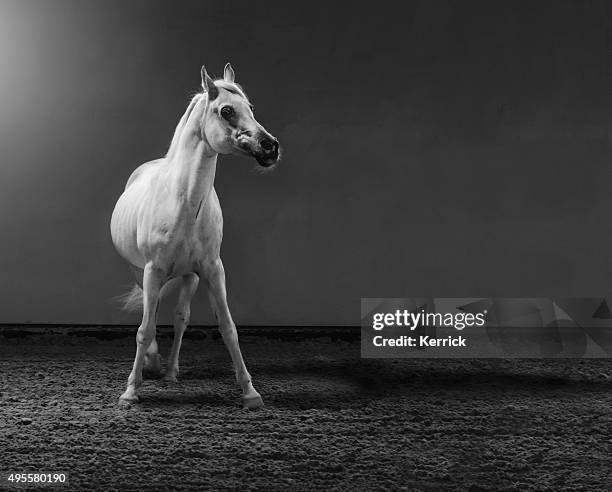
[152, 365]
[189, 284]
[215, 275]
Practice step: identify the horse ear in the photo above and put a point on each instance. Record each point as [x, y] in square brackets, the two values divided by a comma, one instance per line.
[208, 85]
[228, 73]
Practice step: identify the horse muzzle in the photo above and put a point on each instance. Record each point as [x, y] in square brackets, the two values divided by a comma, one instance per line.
[268, 152]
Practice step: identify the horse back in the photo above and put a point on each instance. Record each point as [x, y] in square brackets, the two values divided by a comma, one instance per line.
[141, 169]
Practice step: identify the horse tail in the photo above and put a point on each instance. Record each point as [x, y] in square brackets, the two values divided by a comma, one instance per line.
[132, 299]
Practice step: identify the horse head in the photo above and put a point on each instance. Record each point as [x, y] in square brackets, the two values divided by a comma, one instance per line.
[229, 125]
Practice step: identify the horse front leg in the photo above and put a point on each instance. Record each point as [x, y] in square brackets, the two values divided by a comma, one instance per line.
[215, 276]
[152, 360]
[189, 284]
[151, 285]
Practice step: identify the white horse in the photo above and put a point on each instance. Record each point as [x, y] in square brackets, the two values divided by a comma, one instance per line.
[168, 225]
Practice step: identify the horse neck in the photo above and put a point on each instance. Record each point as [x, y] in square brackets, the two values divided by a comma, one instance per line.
[191, 160]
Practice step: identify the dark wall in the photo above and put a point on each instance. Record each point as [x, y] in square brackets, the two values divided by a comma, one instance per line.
[441, 149]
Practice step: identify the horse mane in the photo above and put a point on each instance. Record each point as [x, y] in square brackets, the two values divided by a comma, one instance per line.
[182, 122]
[232, 87]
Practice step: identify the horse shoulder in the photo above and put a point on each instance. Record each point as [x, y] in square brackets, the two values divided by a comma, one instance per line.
[215, 207]
[209, 219]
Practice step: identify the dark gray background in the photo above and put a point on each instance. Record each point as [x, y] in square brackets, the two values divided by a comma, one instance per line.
[435, 149]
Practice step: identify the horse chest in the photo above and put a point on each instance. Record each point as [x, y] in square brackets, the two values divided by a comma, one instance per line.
[191, 239]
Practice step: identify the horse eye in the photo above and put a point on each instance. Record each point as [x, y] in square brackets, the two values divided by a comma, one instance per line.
[227, 112]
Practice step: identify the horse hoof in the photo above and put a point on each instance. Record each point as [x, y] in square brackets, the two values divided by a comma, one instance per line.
[128, 398]
[168, 378]
[149, 374]
[252, 402]
[152, 366]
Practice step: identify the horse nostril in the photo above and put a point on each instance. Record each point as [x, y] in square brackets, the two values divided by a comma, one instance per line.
[267, 144]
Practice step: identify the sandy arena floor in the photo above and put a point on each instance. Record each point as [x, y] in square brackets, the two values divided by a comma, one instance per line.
[331, 421]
